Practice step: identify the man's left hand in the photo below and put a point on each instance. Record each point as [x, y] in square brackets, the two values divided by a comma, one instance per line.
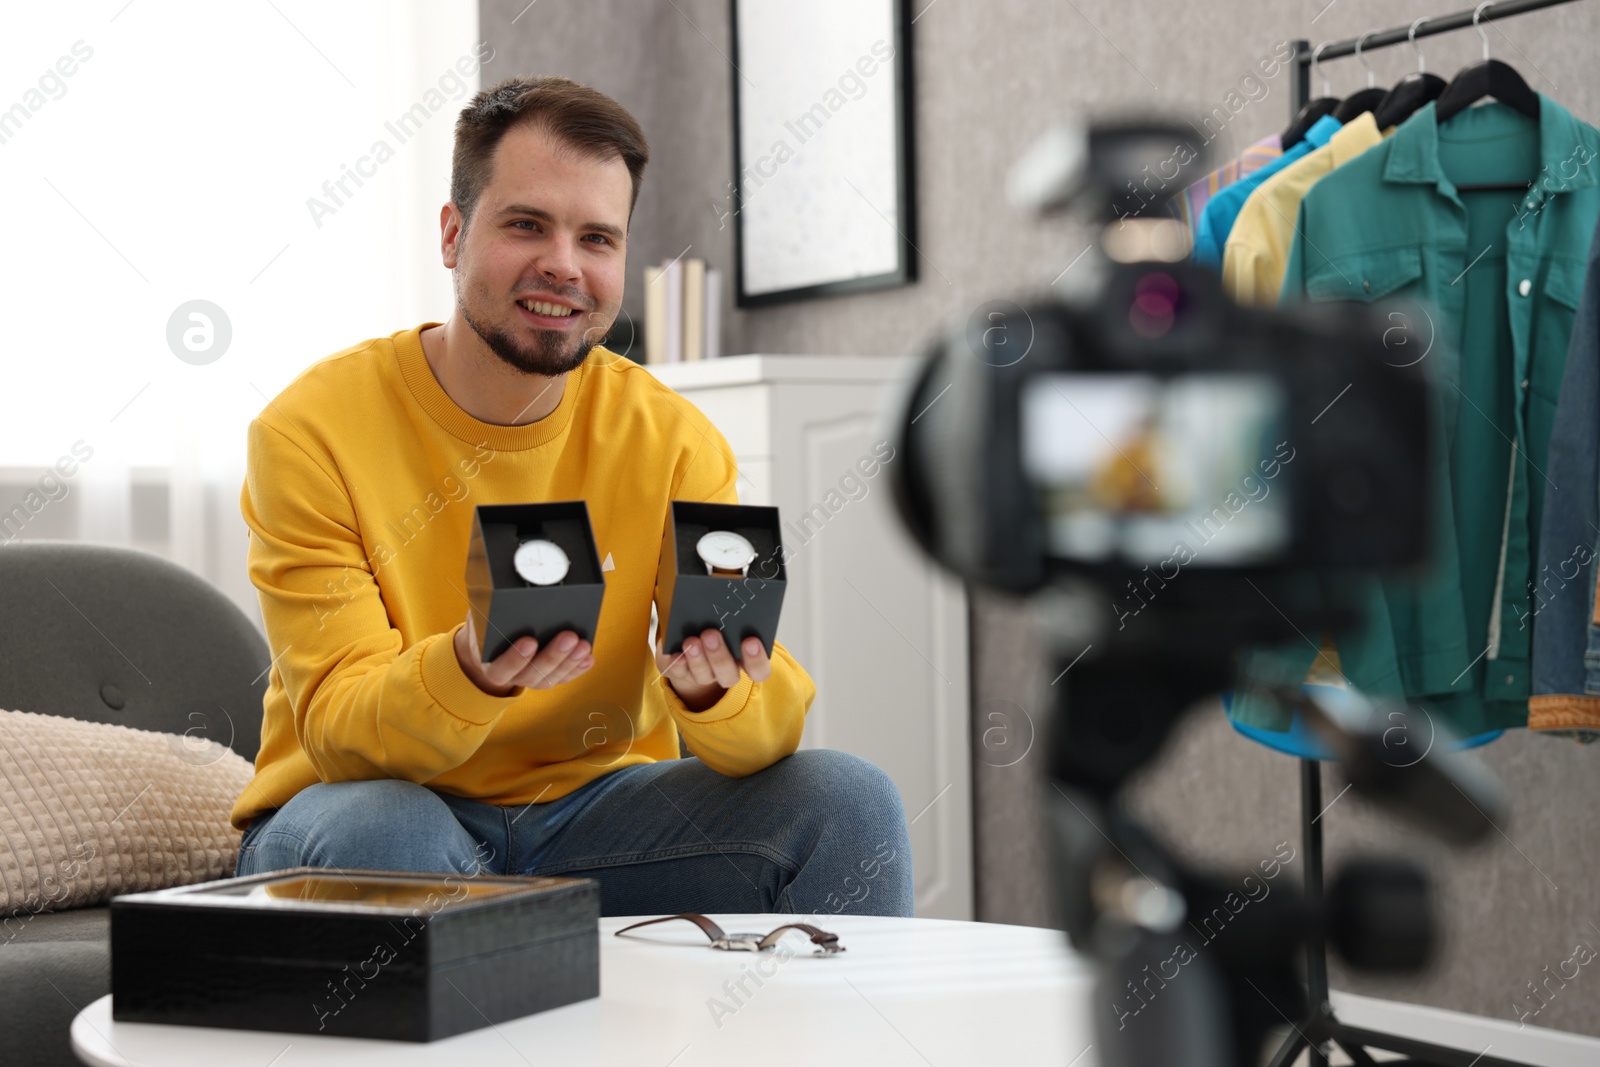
[706, 669]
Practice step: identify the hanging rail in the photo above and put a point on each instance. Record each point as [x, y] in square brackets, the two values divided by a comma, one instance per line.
[1502, 9]
[1300, 82]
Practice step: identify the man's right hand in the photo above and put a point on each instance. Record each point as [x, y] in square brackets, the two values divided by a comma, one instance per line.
[524, 664]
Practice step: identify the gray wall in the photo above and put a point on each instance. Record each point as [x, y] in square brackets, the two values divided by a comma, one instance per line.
[991, 74]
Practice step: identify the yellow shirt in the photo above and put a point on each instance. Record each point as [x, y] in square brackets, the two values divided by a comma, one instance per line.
[1257, 252]
[1257, 255]
[360, 490]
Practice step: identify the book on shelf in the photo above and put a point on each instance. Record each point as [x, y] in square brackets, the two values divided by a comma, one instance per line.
[694, 308]
[683, 311]
[655, 316]
[713, 326]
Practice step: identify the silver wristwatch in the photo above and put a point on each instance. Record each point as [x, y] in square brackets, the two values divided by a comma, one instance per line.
[725, 554]
[541, 562]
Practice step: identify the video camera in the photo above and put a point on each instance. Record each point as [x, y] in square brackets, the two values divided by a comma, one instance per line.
[1177, 478]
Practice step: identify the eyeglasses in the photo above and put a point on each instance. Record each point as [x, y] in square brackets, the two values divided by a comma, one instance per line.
[827, 944]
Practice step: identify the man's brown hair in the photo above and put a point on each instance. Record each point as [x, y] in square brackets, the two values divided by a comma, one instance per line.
[586, 120]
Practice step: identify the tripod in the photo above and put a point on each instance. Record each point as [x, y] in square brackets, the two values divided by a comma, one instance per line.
[1322, 1026]
[1126, 899]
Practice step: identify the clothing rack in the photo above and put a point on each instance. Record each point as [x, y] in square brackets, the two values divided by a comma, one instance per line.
[1300, 85]
[1324, 1027]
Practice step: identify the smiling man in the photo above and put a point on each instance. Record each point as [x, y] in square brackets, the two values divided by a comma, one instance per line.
[386, 744]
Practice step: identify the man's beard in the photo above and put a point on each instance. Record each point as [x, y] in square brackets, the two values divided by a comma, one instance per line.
[551, 353]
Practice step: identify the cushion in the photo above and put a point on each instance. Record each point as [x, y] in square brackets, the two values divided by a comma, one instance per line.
[89, 810]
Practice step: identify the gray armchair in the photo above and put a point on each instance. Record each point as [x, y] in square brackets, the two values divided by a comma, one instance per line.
[114, 635]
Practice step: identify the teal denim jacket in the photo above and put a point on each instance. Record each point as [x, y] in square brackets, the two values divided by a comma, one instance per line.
[1391, 224]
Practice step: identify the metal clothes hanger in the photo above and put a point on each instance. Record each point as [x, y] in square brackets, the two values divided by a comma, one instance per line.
[1490, 78]
[1411, 91]
[1314, 109]
[1362, 100]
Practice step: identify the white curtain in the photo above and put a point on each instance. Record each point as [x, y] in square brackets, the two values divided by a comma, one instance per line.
[163, 152]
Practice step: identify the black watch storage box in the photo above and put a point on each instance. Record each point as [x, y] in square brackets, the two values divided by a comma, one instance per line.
[506, 607]
[690, 599]
[371, 954]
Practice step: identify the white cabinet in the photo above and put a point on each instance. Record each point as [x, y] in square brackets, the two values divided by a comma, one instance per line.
[880, 629]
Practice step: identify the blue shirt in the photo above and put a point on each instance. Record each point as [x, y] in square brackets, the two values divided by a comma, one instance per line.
[1221, 210]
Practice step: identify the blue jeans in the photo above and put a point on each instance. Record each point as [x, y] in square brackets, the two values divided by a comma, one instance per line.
[818, 832]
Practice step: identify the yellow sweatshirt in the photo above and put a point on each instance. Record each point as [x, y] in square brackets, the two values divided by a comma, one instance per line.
[359, 493]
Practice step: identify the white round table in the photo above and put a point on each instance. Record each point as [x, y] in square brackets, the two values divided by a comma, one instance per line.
[917, 992]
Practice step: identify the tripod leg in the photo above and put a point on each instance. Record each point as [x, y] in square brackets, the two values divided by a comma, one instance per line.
[1311, 835]
[1288, 1050]
[1357, 1054]
[1316, 948]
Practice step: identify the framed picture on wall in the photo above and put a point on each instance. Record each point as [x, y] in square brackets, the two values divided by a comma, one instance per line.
[821, 197]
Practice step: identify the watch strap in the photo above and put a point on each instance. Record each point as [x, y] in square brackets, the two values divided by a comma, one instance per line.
[827, 943]
[709, 928]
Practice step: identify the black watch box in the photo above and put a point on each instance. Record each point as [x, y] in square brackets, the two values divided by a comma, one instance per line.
[351, 953]
[696, 600]
[504, 605]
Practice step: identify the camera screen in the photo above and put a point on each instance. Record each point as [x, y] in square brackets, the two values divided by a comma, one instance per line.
[1140, 469]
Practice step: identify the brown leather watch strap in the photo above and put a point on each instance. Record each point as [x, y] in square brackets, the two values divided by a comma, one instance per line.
[827, 943]
[711, 929]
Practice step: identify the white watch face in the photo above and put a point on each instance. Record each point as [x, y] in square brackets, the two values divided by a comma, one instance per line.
[541, 562]
[726, 550]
